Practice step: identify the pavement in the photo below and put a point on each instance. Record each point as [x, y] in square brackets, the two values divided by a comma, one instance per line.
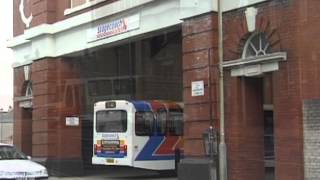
[122, 173]
[113, 178]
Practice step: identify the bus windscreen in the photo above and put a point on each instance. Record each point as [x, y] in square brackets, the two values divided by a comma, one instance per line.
[111, 121]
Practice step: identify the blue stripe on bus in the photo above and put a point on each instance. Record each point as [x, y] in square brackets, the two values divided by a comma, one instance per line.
[148, 152]
[141, 105]
[111, 155]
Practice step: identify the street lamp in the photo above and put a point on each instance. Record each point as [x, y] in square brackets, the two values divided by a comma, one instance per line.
[222, 144]
[210, 143]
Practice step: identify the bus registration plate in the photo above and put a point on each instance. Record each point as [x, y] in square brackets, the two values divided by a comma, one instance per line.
[111, 146]
[110, 161]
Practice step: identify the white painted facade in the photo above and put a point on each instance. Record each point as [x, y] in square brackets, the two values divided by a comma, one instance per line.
[71, 35]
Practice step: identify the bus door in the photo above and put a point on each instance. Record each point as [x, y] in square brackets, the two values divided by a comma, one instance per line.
[112, 137]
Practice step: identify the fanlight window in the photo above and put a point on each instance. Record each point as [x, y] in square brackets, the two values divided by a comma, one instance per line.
[28, 90]
[256, 45]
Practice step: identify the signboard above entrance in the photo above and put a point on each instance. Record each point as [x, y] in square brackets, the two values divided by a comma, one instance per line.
[115, 27]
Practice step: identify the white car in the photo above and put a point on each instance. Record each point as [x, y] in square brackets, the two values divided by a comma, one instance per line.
[15, 165]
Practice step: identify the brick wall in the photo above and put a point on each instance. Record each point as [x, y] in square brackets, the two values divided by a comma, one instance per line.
[43, 12]
[281, 21]
[18, 25]
[297, 81]
[57, 94]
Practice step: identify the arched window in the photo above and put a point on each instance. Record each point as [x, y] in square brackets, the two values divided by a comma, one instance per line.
[256, 45]
[28, 90]
[25, 100]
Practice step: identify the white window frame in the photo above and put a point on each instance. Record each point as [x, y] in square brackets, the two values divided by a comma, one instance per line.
[87, 4]
[72, 6]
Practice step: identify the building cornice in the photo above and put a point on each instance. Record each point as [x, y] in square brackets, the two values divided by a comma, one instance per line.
[73, 22]
[71, 35]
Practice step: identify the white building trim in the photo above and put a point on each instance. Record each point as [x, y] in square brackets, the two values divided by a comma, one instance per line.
[71, 35]
[255, 66]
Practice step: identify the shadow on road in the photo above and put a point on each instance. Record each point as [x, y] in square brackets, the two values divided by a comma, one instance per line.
[121, 173]
[128, 172]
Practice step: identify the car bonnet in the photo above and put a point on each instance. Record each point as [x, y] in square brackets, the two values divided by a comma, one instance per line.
[19, 166]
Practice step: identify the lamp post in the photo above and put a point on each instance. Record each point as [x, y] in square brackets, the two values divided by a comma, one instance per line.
[222, 143]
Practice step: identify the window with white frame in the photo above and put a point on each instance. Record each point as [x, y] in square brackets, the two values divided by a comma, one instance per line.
[77, 5]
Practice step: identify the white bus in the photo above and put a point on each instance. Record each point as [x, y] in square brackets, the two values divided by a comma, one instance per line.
[142, 134]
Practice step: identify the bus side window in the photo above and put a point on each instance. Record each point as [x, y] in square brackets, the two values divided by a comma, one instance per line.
[144, 123]
[175, 122]
[162, 122]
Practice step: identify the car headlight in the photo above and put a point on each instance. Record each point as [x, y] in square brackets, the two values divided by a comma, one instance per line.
[44, 172]
[41, 173]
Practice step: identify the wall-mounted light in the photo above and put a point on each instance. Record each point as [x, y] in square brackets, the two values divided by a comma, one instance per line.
[210, 142]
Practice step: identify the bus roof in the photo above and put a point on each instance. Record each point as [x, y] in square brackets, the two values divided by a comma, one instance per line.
[155, 105]
[152, 105]
[142, 105]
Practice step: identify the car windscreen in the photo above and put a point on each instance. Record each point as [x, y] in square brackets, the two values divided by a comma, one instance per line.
[111, 121]
[9, 152]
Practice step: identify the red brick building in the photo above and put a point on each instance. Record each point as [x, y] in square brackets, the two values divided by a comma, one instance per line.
[271, 70]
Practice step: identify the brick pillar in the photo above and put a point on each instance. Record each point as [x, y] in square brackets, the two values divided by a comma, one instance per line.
[244, 128]
[56, 95]
[199, 42]
[22, 117]
[288, 124]
[199, 64]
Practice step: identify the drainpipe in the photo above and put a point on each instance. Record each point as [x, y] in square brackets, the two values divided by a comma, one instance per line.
[222, 144]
